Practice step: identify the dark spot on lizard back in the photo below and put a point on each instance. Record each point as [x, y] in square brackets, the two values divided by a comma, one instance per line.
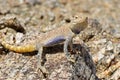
[67, 20]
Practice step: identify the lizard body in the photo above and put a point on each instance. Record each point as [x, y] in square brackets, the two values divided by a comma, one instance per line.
[64, 34]
[44, 39]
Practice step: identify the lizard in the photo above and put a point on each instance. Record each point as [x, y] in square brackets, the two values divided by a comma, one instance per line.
[63, 34]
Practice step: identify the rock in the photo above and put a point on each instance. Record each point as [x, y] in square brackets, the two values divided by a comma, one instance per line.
[115, 31]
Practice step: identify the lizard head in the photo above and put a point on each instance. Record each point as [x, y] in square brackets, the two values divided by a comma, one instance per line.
[78, 24]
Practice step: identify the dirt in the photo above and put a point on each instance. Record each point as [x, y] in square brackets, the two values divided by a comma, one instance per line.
[38, 16]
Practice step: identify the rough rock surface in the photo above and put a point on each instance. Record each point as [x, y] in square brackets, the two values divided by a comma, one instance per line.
[102, 38]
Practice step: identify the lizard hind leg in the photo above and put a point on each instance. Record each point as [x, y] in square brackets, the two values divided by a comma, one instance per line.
[40, 58]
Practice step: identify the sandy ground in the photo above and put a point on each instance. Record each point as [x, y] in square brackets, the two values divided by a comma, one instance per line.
[38, 16]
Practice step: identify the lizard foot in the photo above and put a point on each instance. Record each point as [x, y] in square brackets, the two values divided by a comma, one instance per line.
[71, 59]
[43, 69]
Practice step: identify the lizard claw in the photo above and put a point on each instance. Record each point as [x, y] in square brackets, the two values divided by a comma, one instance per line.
[43, 70]
[71, 59]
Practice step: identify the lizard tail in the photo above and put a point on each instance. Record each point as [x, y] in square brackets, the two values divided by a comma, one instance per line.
[19, 49]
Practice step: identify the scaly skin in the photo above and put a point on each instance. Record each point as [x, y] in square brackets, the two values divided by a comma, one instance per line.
[64, 34]
[19, 49]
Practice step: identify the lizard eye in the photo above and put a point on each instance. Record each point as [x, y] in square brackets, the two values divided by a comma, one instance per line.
[75, 16]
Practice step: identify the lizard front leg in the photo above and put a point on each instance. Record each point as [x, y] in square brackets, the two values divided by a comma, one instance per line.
[67, 42]
[40, 64]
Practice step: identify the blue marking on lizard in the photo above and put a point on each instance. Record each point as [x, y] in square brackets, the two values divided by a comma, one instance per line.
[55, 41]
